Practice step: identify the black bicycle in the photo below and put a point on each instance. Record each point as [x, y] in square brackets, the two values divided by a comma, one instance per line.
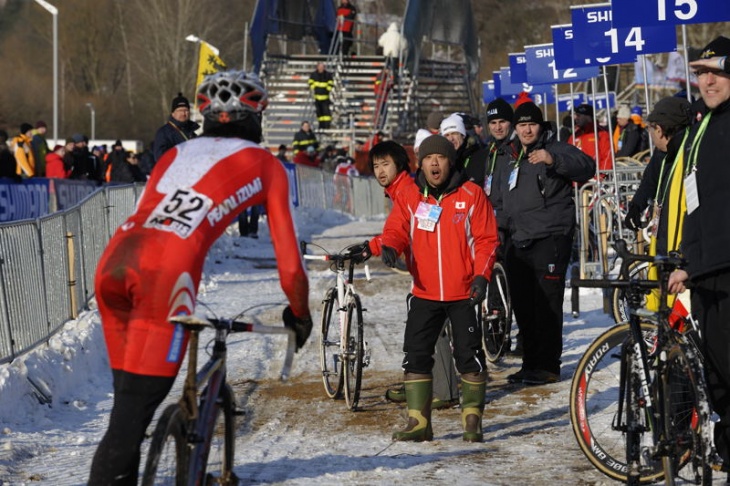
[496, 316]
[638, 400]
[193, 442]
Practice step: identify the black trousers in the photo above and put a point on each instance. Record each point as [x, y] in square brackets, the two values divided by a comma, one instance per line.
[711, 307]
[136, 397]
[248, 221]
[324, 115]
[423, 326]
[536, 274]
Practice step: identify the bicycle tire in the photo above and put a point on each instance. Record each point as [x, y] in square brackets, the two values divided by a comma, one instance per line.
[594, 397]
[636, 424]
[221, 441]
[354, 335]
[167, 459]
[329, 345]
[496, 316]
[619, 302]
[686, 414]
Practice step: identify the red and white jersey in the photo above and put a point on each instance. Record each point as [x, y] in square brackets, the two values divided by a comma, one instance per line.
[153, 264]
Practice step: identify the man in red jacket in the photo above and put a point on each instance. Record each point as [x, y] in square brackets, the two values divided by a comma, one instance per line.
[448, 231]
[585, 137]
[346, 14]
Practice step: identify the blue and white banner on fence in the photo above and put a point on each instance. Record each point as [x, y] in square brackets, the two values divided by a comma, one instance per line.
[567, 101]
[23, 200]
[70, 193]
[595, 36]
[631, 13]
[291, 170]
[541, 68]
[517, 67]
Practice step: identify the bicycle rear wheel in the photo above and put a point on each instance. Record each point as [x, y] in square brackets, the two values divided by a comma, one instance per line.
[594, 406]
[330, 360]
[496, 316]
[686, 416]
[167, 460]
[221, 440]
[353, 361]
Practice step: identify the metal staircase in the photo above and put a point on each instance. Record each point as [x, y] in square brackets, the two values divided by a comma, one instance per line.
[440, 86]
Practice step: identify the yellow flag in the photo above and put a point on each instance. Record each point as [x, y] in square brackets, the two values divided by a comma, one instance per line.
[208, 62]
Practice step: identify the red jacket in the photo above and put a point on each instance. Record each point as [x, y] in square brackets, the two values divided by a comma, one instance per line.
[401, 186]
[55, 166]
[348, 12]
[586, 141]
[464, 243]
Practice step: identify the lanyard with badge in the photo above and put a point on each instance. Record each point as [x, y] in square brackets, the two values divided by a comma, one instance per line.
[661, 192]
[428, 214]
[690, 177]
[516, 171]
[488, 183]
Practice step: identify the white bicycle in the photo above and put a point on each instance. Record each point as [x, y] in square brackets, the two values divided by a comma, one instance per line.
[342, 346]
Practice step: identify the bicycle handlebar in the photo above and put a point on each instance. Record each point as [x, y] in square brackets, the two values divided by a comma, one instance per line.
[196, 323]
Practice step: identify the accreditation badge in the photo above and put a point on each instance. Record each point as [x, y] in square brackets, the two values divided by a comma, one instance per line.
[428, 215]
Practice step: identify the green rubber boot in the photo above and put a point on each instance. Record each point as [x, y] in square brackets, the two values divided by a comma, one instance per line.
[418, 397]
[473, 386]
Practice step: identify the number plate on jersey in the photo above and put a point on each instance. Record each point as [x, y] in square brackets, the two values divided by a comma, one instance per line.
[180, 212]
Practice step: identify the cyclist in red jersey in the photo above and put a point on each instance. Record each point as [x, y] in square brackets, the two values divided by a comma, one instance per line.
[196, 191]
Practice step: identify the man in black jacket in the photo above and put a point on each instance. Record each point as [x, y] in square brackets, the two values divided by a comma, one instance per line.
[179, 127]
[706, 232]
[535, 187]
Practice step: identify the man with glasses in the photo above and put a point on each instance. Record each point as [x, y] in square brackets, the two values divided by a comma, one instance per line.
[179, 127]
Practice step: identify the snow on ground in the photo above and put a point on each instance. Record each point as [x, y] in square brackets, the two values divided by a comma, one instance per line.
[291, 433]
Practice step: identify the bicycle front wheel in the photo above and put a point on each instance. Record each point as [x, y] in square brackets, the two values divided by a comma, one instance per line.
[220, 440]
[496, 316]
[353, 361]
[167, 460]
[595, 395]
[686, 416]
[620, 303]
[330, 360]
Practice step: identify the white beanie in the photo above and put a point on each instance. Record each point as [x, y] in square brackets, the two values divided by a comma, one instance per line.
[624, 112]
[453, 123]
[421, 135]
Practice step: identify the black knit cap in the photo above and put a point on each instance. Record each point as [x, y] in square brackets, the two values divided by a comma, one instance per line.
[718, 47]
[528, 112]
[436, 144]
[179, 101]
[584, 109]
[499, 109]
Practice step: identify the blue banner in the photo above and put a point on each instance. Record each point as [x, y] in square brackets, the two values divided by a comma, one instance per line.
[542, 69]
[70, 192]
[23, 200]
[292, 173]
[508, 87]
[488, 93]
[563, 41]
[595, 36]
[632, 13]
[602, 100]
[518, 67]
[567, 102]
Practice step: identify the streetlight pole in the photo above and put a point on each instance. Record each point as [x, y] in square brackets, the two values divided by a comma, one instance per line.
[53, 11]
[93, 120]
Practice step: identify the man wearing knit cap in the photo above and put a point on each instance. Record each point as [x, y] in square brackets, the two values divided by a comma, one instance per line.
[585, 137]
[178, 128]
[453, 128]
[448, 232]
[433, 121]
[533, 179]
[626, 135]
[706, 232]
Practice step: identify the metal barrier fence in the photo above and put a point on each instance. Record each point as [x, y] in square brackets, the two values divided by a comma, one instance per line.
[47, 265]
